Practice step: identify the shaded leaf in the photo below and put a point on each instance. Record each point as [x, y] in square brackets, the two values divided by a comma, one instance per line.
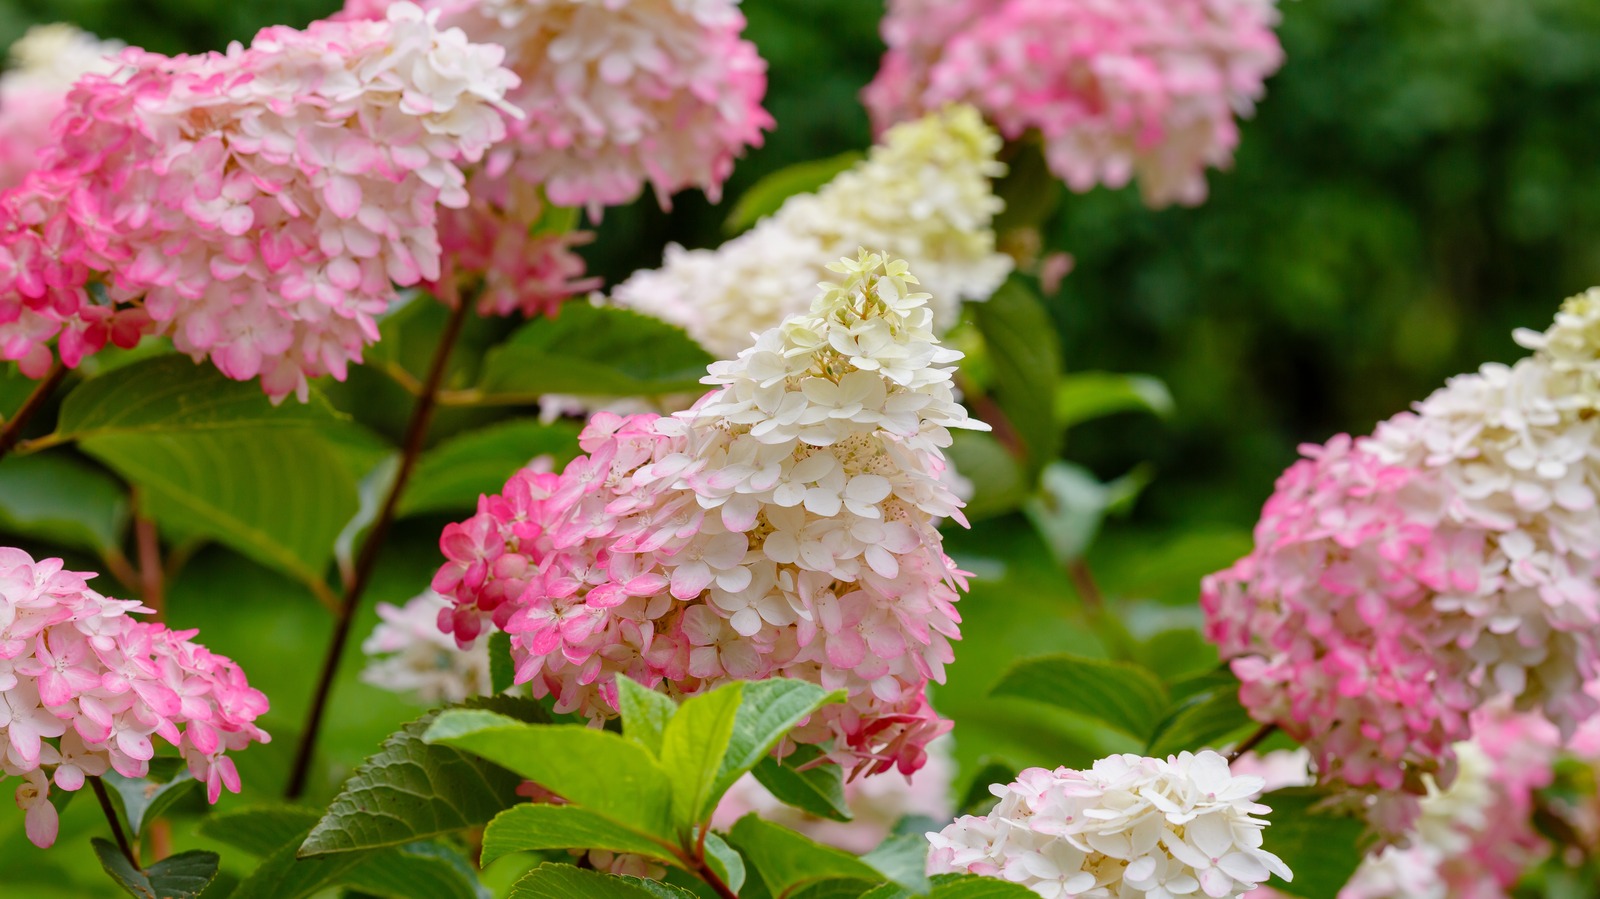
[1205, 717]
[62, 500]
[769, 709]
[978, 800]
[1121, 695]
[1085, 396]
[1322, 848]
[693, 745]
[589, 351]
[418, 869]
[784, 859]
[764, 197]
[552, 881]
[181, 876]
[999, 482]
[411, 789]
[281, 875]
[261, 830]
[533, 827]
[451, 476]
[818, 789]
[502, 668]
[142, 799]
[903, 857]
[1026, 355]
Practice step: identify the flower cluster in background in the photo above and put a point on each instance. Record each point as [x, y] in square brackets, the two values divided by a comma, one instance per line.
[923, 194]
[1400, 582]
[876, 804]
[408, 654]
[618, 94]
[1115, 90]
[44, 64]
[259, 206]
[84, 688]
[1128, 826]
[784, 526]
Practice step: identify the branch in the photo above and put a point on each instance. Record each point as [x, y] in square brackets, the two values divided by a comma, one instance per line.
[116, 823]
[1252, 741]
[11, 431]
[415, 436]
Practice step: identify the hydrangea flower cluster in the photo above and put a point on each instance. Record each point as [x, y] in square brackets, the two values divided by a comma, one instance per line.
[1127, 827]
[877, 804]
[1401, 581]
[924, 194]
[44, 64]
[783, 526]
[408, 654]
[1115, 89]
[259, 205]
[619, 93]
[84, 688]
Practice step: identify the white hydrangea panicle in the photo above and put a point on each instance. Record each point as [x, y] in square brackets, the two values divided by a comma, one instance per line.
[407, 654]
[924, 194]
[1127, 827]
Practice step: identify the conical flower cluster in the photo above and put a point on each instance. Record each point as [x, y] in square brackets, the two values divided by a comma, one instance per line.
[259, 206]
[33, 91]
[1401, 581]
[924, 194]
[783, 526]
[1115, 89]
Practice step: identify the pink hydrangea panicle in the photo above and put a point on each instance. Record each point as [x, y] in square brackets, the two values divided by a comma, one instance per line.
[1402, 581]
[84, 687]
[258, 206]
[783, 526]
[33, 91]
[621, 93]
[1128, 826]
[1115, 90]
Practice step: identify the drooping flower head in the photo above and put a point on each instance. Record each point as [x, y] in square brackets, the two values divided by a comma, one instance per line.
[409, 655]
[85, 688]
[1401, 581]
[1128, 826]
[923, 194]
[1116, 90]
[781, 527]
[617, 94]
[33, 91]
[258, 205]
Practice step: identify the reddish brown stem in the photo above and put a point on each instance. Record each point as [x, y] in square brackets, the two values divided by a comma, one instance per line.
[366, 562]
[116, 823]
[1252, 741]
[152, 589]
[11, 431]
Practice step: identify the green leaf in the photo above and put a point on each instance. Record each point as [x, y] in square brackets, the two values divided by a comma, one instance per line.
[502, 668]
[418, 869]
[143, 799]
[276, 495]
[818, 789]
[785, 860]
[971, 886]
[281, 875]
[261, 830]
[1031, 191]
[1073, 503]
[903, 858]
[839, 889]
[978, 800]
[764, 197]
[769, 709]
[1121, 695]
[602, 771]
[181, 876]
[552, 881]
[1085, 396]
[657, 888]
[63, 500]
[1322, 848]
[1204, 717]
[999, 482]
[645, 713]
[1026, 355]
[593, 351]
[693, 746]
[534, 827]
[411, 789]
[725, 861]
[451, 476]
[171, 393]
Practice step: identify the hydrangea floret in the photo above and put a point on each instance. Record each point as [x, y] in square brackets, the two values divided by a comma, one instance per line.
[408, 654]
[783, 526]
[924, 194]
[44, 64]
[259, 206]
[1127, 827]
[617, 94]
[1401, 581]
[85, 688]
[1115, 90]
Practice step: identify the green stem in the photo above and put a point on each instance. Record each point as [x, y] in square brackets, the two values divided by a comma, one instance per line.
[11, 431]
